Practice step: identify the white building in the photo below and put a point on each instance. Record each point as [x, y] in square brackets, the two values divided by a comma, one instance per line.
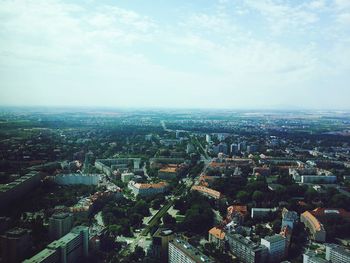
[208, 138]
[86, 179]
[325, 179]
[337, 254]
[276, 246]
[126, 177]
[70, 248]
[182, 252]
[147, 189]
[289, 218]
[262, 212]
[311, 257]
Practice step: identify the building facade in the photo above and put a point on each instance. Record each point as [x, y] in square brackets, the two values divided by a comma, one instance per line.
[70, 248]
[60, 224]
[15, 245]
[160, 244]
[289, 218]
[246, 250]
[337, 254]
[78, 178]
[147, 189]
[318, 233]
[181, 251]
[19, 187]
[276, 246]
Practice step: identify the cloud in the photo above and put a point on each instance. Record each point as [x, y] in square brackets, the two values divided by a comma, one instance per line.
[237, 51]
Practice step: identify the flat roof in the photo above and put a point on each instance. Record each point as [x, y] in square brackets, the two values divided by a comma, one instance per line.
[190, 251]
[43, 254]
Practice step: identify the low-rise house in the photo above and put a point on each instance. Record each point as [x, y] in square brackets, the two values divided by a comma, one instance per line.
[207, 191]
[217, 236]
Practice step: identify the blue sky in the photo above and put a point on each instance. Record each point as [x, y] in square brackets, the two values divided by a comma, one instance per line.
[210, 54]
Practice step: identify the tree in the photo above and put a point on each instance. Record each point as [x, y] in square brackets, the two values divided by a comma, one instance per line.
[258, 196]
[141, 207]
[168, 220]
[242, 196]
[136, 220]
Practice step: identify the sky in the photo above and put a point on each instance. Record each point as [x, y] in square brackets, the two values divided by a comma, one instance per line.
[178, 53]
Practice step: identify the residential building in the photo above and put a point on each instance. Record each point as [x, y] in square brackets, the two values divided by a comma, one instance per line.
[289, 218]
[127, 177]
[207, 191]
[233, 148]
[108, 166]
[257, 213]
[147, 189]
[252, 148]
[311, 257]
[242, 146]
[325, 179]
[206, 180]
[190, 148]
[15, 245]
[337, 254]
[160, 244]
[316, 229]
[19, 187]
[276, 246]
[181, 251]
[67, 249]
[236, 213]
[77, 178]
[217, 236]
[264, 171]
[60, 224]
[246, 250]
[321, 213]
[168, 172]
[207, 138]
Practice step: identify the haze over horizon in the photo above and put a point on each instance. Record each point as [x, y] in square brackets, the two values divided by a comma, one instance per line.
[178, 54]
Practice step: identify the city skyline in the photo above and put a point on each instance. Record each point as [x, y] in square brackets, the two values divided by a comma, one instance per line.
[225, 54]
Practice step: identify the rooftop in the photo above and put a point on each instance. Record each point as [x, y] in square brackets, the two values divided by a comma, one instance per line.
[207, 190]
[217, 232]
[191, 251]
[168, 169]
[275, 238]
[41, 256]
[147, 186]
[340, 249]
[313, 220]
[245, 241]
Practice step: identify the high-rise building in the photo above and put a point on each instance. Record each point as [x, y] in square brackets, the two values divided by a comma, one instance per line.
[337, 254]
[208, 138]
[60, 224]
[242, 146]
[311, 257]
[160, 244]
[15, 245]
[19, 187]
[182, 252]
[252, 148]
[246, 250]
[234, 148]
[67, 249]
[289, 218]
[276, 246]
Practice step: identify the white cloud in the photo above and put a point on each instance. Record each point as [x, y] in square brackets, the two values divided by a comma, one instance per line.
[110, 55]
